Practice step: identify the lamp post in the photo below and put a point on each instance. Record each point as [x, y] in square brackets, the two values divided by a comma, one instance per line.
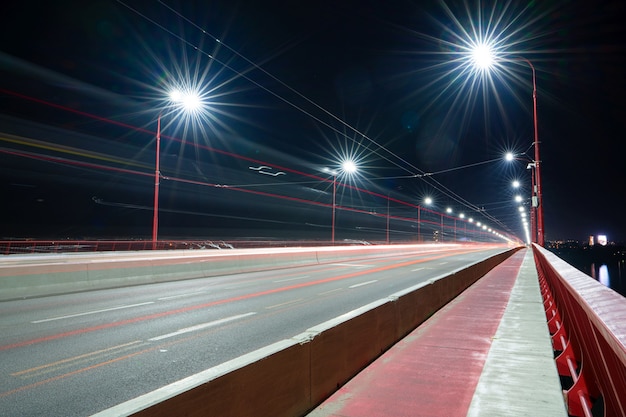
[157, 175]
[462, 217]
[387, 218]
[348, 167]
[427, 201]
[419, 222]
[537, 170]
[483, 57]
[449, 211]
[188, 101]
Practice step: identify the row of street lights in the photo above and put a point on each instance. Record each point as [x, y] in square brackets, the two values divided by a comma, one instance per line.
[348, 167]
[483, 59]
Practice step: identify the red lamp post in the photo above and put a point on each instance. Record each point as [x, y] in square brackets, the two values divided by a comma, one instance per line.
[537, 202]
[157, 178]
[189, 102]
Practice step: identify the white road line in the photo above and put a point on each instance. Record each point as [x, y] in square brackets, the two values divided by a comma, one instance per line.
[363, 283]
[443, 263]
[284, 304]
[239, 285]
[417, 269]
[328, 292]
[181, 295]
[201, 326]
[104, 310]
[292, 279]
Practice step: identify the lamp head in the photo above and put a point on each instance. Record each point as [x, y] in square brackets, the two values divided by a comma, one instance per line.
[483, 56]
[189, 101]
[348, 166]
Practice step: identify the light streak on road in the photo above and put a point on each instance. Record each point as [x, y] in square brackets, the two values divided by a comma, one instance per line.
[85, 313]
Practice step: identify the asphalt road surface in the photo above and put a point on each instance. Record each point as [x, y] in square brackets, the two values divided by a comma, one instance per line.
[77, 354]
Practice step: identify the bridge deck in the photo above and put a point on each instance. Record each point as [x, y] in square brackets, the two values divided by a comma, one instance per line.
[487, 353]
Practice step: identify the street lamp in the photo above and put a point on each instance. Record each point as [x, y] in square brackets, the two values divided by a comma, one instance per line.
[483, 58]
[348, 167]
[427, 201]
[462, 217]
[449, 211]
[185, 101]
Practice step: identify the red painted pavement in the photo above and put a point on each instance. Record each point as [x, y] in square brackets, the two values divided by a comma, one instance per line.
[434, 370]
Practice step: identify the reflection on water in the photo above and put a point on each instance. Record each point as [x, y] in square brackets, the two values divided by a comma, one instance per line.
[610, 275]
[605, 264]
[602, 275]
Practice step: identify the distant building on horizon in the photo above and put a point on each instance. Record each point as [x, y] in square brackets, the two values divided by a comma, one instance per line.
[601, 239]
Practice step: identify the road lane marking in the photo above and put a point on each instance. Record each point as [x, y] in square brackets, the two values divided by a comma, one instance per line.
[201, 326]
[420, 269]
[328, 292]
[69, 374]
[171, 297]
[292, 279]
[75, 359]
[239, 285]
[443, 263]
[284, 304]
[353, 265]
[86, 313]
[363, 283]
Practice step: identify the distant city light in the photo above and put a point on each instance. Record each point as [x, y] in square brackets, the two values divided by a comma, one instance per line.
[602, 240]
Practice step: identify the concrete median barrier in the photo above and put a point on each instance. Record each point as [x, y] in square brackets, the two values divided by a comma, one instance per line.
[23, 276]
[291, 377]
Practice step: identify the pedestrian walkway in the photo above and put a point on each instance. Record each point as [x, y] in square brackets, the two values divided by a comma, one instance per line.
[487, 353]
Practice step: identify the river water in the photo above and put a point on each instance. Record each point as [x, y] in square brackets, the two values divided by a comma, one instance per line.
[607, 268]
[612, 275]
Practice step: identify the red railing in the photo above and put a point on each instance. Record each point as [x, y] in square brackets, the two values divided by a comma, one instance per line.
[587, 322]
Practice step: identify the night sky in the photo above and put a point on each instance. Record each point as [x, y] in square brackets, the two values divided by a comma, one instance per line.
[297, 86]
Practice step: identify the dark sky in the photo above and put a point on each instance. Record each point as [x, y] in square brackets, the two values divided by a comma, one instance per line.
[297, 86]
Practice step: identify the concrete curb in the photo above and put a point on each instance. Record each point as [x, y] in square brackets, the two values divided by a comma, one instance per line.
[25, 276]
